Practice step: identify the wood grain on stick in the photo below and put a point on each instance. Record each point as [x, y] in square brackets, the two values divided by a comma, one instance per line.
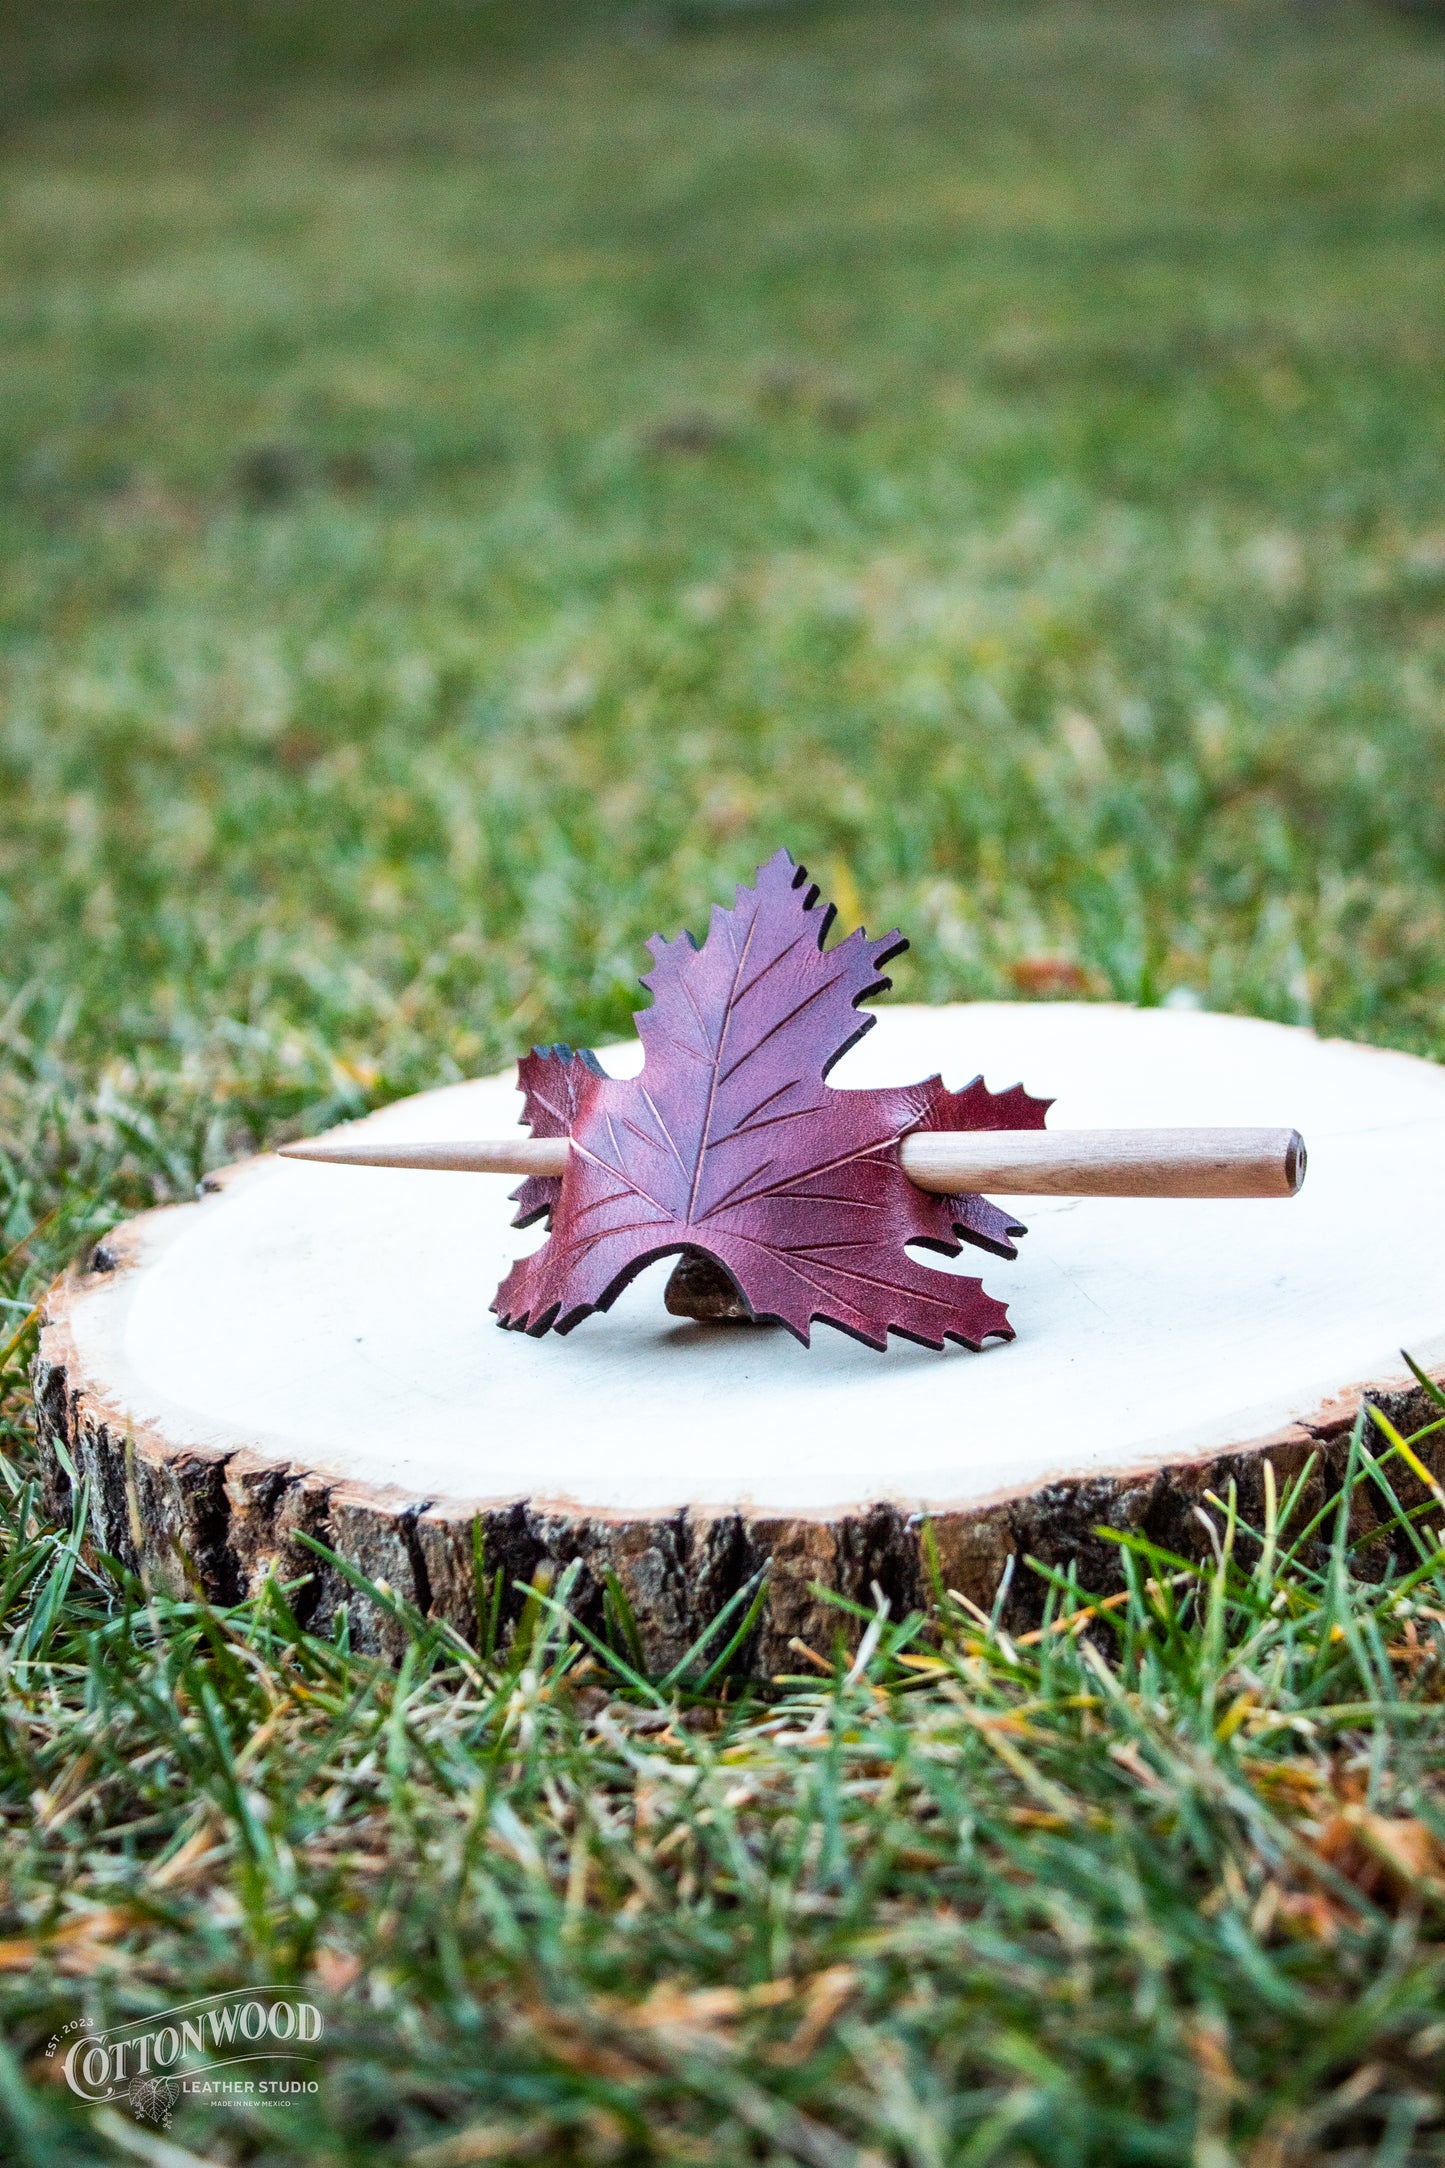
[1108, 1162]
[1019, 1162]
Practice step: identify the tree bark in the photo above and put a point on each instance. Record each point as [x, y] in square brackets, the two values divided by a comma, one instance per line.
[220, 1520]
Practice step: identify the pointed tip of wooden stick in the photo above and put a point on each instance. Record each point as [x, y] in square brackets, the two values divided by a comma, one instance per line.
[334, 1151]
[502, 1155]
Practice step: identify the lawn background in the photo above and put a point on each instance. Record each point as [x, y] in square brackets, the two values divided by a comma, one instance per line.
[473, 481]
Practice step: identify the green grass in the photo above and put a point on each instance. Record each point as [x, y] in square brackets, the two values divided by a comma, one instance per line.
[473, 481]
[1164, 1882]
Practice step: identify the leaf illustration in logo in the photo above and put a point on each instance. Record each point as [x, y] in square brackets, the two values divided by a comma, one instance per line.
[732, 1142]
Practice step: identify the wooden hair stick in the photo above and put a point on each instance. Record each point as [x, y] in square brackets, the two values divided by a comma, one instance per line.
[1004, 1162]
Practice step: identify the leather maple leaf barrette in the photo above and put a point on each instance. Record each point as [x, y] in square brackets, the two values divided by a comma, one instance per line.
[792, 1201]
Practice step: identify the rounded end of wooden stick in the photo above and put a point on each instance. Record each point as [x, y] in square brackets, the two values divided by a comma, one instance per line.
[1296, 1161]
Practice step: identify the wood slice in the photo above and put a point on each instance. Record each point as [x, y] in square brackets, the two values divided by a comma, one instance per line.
[309, 1348]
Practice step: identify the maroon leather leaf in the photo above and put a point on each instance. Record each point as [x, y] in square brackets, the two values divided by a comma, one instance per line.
[976, 1107]
[552, 1080]
[732, 1142]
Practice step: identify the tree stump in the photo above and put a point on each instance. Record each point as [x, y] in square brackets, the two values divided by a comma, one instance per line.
[309, 1349]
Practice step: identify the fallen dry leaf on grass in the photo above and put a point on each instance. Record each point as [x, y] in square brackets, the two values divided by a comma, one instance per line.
[825, 1996]
[1386, 1856]
[76, 1947]
[699, 2009]
[1299, 1912]
[335, 1970]
[1041, 978]
[486, 2141]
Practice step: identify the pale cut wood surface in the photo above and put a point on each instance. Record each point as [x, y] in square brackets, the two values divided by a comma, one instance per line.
[312, 1350]
[1022, 1162]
